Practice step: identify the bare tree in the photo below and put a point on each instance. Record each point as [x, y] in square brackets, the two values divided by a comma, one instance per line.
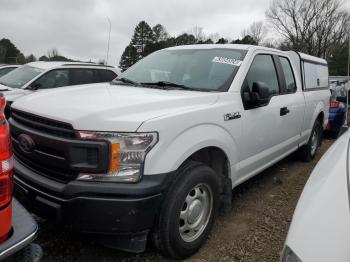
[310, 26]
[214, 37]
[198, 33]
[52, 53]
[255, 30]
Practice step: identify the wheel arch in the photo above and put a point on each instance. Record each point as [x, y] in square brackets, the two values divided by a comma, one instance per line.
[169, 155]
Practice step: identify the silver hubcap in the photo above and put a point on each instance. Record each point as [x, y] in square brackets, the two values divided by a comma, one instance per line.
[195, 213]
[314, 142]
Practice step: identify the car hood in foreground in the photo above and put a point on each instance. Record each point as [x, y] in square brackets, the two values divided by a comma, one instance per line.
[320, 230]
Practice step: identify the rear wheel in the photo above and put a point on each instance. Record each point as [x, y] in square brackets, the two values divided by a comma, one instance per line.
[308, 151]
[188, 211]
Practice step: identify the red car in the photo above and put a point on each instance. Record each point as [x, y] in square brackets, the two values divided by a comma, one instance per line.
[17, 227]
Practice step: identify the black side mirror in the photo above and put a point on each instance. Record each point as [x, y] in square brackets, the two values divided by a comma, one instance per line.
[260, 94]
[342, 99]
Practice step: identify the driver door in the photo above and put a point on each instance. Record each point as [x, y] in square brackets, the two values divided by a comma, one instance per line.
[262, 125]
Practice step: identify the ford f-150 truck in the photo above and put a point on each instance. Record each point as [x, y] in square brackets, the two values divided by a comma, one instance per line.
[157, 152]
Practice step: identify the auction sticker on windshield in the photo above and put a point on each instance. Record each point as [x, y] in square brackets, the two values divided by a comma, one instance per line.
[225, 60]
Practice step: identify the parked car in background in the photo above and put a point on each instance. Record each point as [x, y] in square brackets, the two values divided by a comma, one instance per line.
[4, 69]
[337, 110]
[38, 76]
[155, 153]
[17, 227]
[320, 229]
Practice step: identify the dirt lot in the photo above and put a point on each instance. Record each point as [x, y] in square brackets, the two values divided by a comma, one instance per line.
[254, 230]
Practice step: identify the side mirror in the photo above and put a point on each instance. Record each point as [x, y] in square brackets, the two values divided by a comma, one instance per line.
[35, 86]
[260, 94]
[342, 99]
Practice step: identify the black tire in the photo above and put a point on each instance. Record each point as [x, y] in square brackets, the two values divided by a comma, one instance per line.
[167, 236]
[306, 152]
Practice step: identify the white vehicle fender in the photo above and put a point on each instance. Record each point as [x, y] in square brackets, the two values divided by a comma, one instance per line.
[320, 108]
[168, 157]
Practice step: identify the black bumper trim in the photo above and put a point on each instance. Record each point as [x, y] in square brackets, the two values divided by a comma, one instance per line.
[24, 231]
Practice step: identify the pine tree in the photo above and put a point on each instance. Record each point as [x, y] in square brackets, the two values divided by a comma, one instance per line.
[129, 57]
[9, 52]
[143, 35]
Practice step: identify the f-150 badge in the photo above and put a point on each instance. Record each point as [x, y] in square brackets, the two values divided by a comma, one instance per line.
[231, 116]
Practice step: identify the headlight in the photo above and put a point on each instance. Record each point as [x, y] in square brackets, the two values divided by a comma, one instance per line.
[127, 155]
[289, 256]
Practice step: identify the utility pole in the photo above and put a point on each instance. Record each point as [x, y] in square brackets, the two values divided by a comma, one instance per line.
[109, 39]
[348, 82]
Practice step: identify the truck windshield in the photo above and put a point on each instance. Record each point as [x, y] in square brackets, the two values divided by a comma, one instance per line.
[192, 69]
[20, 76]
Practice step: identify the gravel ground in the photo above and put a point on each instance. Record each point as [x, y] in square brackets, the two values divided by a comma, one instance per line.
[254, 230]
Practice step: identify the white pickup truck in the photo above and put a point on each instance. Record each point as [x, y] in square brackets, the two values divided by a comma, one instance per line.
[158, 151]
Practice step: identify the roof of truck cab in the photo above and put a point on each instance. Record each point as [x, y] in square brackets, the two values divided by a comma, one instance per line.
[302, 56]
[46, 65]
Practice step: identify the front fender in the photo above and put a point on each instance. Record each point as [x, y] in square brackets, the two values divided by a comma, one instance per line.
[168, 156]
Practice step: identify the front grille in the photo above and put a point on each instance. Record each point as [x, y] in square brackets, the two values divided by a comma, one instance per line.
[48, 126]
[55, 173]
[55, 152]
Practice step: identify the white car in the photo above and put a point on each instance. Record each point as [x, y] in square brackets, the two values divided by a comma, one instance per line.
[158, 150]
[4, 69]
[320, 229]
[37, 76]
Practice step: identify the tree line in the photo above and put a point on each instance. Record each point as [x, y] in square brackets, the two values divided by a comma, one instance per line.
[316, 27]
[147, 39]
[10, 54]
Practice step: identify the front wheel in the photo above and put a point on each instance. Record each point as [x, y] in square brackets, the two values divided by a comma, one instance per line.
[308, 151]
[188, 211]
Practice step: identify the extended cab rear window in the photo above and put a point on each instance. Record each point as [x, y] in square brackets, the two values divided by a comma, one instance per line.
[291, 86]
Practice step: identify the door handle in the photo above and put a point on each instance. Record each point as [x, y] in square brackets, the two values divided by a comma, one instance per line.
[284, 111]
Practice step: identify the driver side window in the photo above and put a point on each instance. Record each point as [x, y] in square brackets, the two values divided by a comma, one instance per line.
[52, 79]
[262, 72]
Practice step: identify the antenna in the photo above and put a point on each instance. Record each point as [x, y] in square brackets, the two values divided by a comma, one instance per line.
[348, 83]
[109, 38]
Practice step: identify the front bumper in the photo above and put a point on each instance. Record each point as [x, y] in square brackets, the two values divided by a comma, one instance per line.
[123, 210]
[24, 230]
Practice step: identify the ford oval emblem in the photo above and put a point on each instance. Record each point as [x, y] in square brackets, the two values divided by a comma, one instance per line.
[26, 143]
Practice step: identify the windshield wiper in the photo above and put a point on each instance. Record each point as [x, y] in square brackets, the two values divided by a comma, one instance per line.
[1, 83]
[125, 80]
[165, 84]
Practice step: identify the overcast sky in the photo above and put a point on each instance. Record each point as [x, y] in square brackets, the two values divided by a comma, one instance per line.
[79, 28]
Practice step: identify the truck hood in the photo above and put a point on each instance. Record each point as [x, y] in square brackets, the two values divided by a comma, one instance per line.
[106, 107]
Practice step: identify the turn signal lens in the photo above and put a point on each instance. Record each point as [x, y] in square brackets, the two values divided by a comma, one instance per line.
[114, 162]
